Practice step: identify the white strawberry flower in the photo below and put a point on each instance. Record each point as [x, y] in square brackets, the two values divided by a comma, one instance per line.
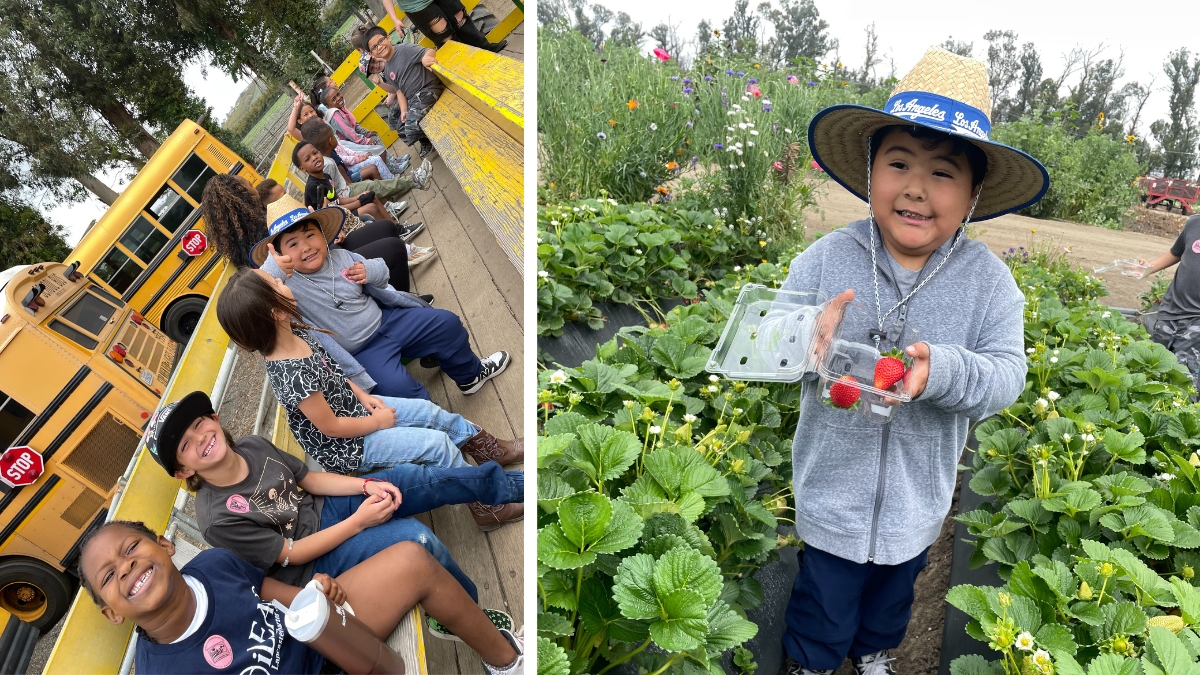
[554, 222]
[1053, 359]
[1164, 477]
[1088, 437]
[1024, 642]
[1042, 659]
[689, 418]
[1052, 395]
[1067, 438]
[713, 388]
[543, 274]
[714, 378]
[558, 377]
[655, 429]
[738, 411]
[1105, 315]
[627, 403]
[1031, 350]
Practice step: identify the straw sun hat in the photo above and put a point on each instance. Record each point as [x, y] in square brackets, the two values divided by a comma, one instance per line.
[286, 213]
[946, 92]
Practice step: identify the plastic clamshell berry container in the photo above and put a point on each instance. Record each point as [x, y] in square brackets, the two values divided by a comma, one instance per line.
[852, 352]
[768, 335]
[1128, 266]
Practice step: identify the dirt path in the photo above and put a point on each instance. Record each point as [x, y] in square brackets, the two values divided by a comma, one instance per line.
[1090, 246]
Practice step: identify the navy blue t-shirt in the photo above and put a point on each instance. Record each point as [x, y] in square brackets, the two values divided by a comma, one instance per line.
[241, 634]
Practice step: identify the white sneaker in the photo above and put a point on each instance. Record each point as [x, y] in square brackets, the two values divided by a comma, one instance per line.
[420, 254]
[396, 208]
[421, 175]
[491, 367]
[516, 667]
[875, 664]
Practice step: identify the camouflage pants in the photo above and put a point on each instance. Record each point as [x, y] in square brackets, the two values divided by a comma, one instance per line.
[1182, 337]
[418, 106]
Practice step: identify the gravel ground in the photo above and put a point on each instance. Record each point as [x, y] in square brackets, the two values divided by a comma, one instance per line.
[237, 412]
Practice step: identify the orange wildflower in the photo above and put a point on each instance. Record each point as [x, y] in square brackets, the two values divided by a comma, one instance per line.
[671, 166]
[612, 123]
[632, 104]
[662, 190]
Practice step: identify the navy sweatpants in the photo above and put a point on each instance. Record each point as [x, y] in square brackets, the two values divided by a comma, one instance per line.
[415, 333]
[841, 608]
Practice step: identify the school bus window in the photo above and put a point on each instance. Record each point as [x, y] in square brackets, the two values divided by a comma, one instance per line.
[193, 176]
[117, 270]
[72, 334]
[89, 313]
[13, 418]
[170, 209]
[106, 295]
[143, 239]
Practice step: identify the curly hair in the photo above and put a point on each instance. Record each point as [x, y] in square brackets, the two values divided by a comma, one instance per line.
[358, 37]
[135, 525]
[264, 188]
[236, 218]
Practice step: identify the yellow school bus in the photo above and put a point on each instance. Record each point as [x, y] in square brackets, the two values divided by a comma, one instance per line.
[135, 250]
[80, 373]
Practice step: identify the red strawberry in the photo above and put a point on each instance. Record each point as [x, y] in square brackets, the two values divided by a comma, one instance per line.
[844, 395]
[889, 370]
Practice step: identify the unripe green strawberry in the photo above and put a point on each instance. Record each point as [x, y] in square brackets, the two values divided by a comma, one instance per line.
[1171, 623]
[843, 395]
[889, 370]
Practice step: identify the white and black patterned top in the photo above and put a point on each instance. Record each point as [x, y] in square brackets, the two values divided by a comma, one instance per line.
[294, 380]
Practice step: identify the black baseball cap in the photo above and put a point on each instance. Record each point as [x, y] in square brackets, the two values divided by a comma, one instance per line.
[168, 423]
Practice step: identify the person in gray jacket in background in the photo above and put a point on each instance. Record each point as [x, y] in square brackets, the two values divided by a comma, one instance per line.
[871, 498]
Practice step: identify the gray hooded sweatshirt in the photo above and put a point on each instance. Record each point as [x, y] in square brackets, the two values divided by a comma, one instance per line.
[870, 492]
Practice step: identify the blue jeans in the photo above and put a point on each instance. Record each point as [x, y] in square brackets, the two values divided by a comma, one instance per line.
[840, 607]
[422, 489]
[416, 332]
[424, 434]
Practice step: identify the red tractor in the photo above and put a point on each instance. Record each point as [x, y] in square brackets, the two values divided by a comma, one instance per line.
[1170, 191]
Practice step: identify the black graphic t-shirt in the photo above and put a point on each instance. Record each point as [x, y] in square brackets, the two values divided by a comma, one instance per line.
[294, 380]
[256, 517]
[240, 634]
[1182, 299]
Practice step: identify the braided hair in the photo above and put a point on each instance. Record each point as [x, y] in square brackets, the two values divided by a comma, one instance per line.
[320, 85]
[236, 218]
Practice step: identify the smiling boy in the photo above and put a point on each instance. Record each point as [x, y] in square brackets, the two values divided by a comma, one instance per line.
[872, 498]
[405, 70]
[344, 293]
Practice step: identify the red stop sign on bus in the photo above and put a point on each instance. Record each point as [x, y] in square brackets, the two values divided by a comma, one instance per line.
[21, 466]
[194, 242]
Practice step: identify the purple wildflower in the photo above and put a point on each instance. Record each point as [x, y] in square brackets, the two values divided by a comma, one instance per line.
[688, 90]
[766, 107]
[753, 80]
[687, 81]
[694, 160]
[718, 146]
[739, 74]
[775, 126]
[602, 135]
[729, 72]
[708, 78]
[689, 123]
[811, 83]
[675, 77]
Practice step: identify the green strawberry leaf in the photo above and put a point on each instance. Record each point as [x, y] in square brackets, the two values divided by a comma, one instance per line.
[553, 624]
[550, 448]
[552, 659]
[634, 587]
[681, 626]
[603, 453]
[726, 629]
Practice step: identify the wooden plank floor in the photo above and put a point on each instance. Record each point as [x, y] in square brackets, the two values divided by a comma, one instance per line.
[472, 278]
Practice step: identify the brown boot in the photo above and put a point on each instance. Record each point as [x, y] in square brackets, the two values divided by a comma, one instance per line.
[484, 447]
[489, 518]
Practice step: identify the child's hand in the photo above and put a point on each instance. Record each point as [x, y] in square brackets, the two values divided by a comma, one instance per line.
[377, 487]
[356, 273]
[385, 417]
[918, 374]
[374, 402]
[339, 238]
[284, 261]
[333, 591]
[828, 321]
[298, 101]
[374, 510]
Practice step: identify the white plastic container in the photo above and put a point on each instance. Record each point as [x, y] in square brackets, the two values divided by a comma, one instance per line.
[1128, 266]
[853, 354]
[768, 336]
[334, 633]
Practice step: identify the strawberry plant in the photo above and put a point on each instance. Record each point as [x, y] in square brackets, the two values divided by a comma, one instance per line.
[1093, 476]
[599, 250]
[660, 489]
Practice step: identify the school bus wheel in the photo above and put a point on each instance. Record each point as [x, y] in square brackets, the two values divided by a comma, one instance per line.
[34, 592]
[181, 318]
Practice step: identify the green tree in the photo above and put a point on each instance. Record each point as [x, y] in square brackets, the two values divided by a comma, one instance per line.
[625, 32]
[1178, 137]
[742, 30]
[958, 47]
[799, 32]
[27, 238]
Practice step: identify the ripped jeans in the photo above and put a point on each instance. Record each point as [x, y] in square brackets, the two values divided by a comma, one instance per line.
[1182, 337]
[422, 489]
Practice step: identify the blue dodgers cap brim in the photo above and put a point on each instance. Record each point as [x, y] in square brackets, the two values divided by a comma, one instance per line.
[838, 136]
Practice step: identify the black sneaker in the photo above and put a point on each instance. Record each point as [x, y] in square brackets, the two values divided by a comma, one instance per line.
[426, 146]
[427, 298]
[492, 366]
[430, 362]
[409, 230]
[496, 47]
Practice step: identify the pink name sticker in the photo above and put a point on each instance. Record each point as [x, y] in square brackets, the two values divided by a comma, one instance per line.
[217, 652]
[1196, 246]
[237, 504]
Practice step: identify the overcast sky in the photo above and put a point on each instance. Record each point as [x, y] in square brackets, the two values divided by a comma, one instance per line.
[217, 88]
[907, 29]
